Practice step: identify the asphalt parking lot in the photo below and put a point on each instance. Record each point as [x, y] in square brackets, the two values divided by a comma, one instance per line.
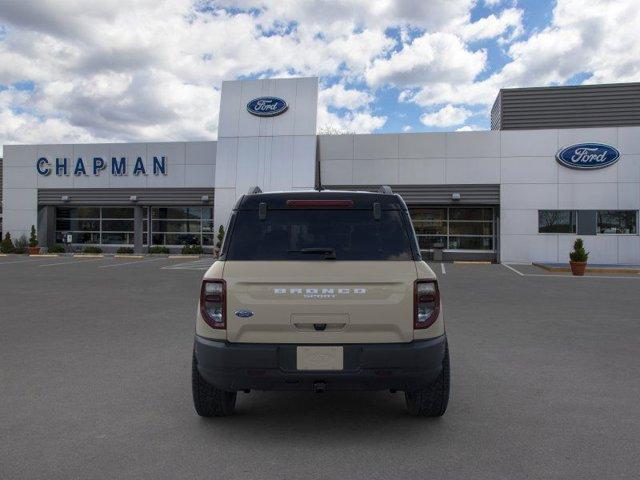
[95, 383]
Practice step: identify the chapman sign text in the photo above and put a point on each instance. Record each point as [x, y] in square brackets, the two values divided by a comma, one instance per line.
[118, 166]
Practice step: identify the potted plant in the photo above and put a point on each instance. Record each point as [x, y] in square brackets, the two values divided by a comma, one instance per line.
[7, 244]
[220, 238]
[578, 258]
[20, 245]
[33, 249]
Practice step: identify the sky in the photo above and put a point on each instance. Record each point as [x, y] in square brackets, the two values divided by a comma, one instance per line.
[77, 71]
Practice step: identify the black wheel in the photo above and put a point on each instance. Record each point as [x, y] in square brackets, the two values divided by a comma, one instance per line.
[207, 399]
[431, 401]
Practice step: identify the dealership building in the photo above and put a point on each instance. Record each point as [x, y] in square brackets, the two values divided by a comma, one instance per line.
[558, 163]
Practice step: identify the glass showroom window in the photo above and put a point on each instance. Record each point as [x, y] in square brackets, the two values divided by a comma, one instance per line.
[556, 221]
[182, 226]
[95, 225]
[453, 228]
[618, 221]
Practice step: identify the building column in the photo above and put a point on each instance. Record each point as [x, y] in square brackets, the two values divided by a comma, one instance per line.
[138, 215]
[46, 227]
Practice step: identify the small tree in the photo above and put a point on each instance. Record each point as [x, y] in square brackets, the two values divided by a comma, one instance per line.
[20, 245]
[33, 237]
[7, 244]
[220, 237]
[579, 254]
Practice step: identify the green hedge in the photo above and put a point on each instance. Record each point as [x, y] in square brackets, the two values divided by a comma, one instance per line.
[158, 249]
[192, 250]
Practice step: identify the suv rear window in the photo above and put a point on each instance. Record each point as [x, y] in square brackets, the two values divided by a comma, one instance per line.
[317, 234]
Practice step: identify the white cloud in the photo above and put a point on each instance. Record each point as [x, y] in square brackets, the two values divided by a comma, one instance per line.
[340, 97]
[469, 128]
[351, 122]
[432, 57]
[447, 116]
[597, 38]
[509, 22]
[407, 128]
[151, 71]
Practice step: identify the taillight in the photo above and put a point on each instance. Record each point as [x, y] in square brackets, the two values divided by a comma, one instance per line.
[426, 303]
[213, 303]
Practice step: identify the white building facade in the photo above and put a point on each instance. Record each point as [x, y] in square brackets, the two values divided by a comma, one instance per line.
[501, 195]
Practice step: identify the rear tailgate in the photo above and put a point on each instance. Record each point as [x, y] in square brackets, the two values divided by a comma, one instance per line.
[320, 301]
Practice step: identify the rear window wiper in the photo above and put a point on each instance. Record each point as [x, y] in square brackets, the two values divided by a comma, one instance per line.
[330, 253]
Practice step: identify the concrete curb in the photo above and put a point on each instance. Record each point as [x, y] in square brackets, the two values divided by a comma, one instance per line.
[589, 269]
[127, 255]
[472, 262]
[88, 255]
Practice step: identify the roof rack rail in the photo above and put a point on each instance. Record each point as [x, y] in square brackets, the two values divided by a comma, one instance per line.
[385, 189]
[254, 190]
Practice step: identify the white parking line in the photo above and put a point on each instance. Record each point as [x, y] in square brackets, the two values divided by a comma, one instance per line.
[21, 261]
[513, 269]
[444, 272]
[549, 275]
[202, 264]
[11, 263]
[130, 263]
[72, 262]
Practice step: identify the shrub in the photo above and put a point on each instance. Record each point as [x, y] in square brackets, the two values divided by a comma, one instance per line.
[33, 238]
[57, 248]
[579, 254]
[91, 249]
[158, 249]
[20, 245]
[125, 250]
[220, 237]
[7, 244]
[192, 250]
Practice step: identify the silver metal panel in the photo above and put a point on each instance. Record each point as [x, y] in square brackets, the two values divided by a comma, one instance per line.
[436, 194]
[122, 196]
[567, 107]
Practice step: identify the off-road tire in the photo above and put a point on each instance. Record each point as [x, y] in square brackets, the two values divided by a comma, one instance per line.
[208, 400]
[431, 401]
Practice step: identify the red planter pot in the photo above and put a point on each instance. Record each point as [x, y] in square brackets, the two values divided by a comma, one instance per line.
[33, 250]
[578, 268]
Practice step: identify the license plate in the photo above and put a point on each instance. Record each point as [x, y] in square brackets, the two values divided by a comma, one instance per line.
[319, 358]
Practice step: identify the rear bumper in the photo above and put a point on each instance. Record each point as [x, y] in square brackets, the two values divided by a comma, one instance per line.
[241, 366]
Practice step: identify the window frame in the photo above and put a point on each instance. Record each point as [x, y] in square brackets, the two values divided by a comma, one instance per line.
[447, 221]
[574, 212]
[616, 233]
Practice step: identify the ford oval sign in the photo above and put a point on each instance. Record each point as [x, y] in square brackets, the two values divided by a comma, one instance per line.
[588, 156]
[267, 106]
[244, 313]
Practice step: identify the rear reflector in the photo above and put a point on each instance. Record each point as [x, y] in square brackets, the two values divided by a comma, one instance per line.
[320, 203]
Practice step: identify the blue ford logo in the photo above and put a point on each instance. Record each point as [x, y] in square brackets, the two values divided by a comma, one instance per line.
[588, 156]
[267, 106]
[244, 313]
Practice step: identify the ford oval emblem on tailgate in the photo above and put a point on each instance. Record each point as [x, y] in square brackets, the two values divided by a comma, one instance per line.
[244, 313]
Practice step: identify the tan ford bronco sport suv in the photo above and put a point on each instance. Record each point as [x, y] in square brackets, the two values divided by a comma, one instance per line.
[320, 290]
